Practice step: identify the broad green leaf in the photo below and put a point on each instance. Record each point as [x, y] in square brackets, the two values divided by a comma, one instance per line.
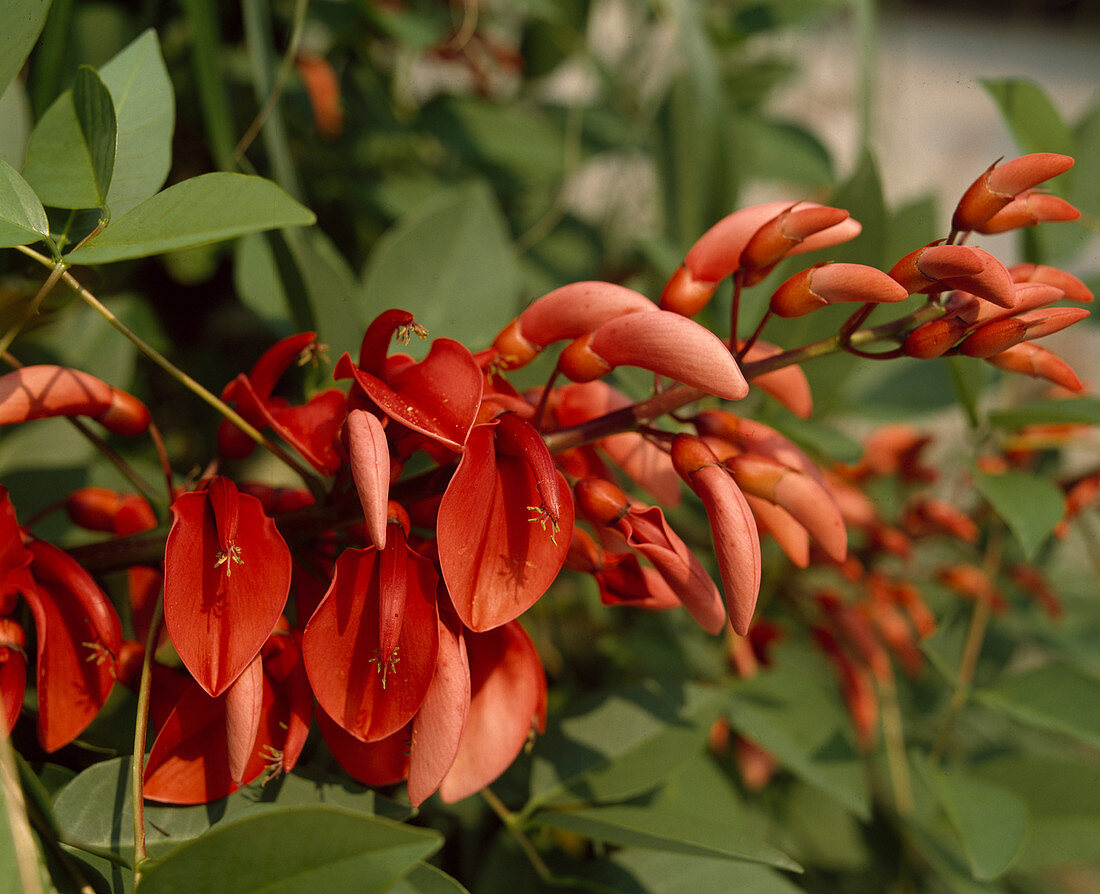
[794, 711]
[426, 879]
[451, 263]
[939, 847]
[990, 821]
[639, 871]
[967, 380]
[22, 23]
[22, 217]
[1056, 697]
[1055, 840]
[15, 124]
[94, 809]
[1030, 505]
[622, 746]
[284, 851]
[95, 114]
[207, 208]
[656, 829]
[1030, 115]
[1074, 409]
[59, 166]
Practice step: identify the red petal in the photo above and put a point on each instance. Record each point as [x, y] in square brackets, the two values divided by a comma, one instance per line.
[369, 694]
[495, 556]
[218, 610]
[383, 762]
[508, 691]
[243, 702]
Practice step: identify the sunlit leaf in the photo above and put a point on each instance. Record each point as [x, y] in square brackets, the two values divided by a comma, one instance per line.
[207, 208]
[1030, 505]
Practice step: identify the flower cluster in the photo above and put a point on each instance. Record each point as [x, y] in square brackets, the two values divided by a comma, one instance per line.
[443, 503]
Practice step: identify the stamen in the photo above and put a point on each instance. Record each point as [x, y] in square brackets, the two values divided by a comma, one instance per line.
[385, 666]
[542, 516]
[273, 757]
[404, 333]
[101, 655]
[228, 557]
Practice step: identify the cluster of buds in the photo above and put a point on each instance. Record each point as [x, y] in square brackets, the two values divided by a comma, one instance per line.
[443, 503]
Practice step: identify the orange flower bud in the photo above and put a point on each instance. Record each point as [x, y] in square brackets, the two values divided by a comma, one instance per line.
[1074, 289]
[825, 284]
[1036, 361]
[999, 185]
[937, 268]
[1028, 209]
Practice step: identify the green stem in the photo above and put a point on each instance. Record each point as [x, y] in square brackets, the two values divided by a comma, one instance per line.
[137, 767]
[57, 271]
[512, 824]
[893, 734]
[311, 480]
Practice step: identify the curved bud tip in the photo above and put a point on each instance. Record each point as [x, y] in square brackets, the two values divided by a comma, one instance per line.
[684, 294]
[600, 501]
[1000, 184]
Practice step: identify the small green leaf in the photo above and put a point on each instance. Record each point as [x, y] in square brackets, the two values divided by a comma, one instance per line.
[1056, 697]
[207, 208]
[22, 217]
[1030, 115]
[95, 113]
[1071, 410]
[288, 850]
[1030, 505]
[678, 833]
[22, 23]
[59, 166]
[639, 871]
[990, 821]
[426, 879]
[451, 263]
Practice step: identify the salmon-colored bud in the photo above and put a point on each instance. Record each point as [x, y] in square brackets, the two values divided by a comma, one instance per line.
[890, 540]
[1074, 289]
[663, 342]
[736, 541]
[1036, 361]
[779, 236]
[787, 385]
[685, 295]
[600, 501]
[792, 538]
[566, 313]
[804, 498]
[717, 253]
[973, 583]
[999, 185]
[937, 268]
[1028, 209]
[243, 708]
[929, 515]
[828, 283]
[323, 90]
[897, 634]
[1031, 581]
[44, 391]
[368, 452]
[993, 338]
[756, 765]
[934, 338]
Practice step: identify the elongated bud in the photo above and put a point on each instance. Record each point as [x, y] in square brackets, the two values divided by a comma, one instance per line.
[565, 313]
[663, 342]
[1074, 289]
[934, 338]
[243, 707]
[94, 508]
[999, 185]
[824, 284]
[1036, 361]
[1000, 335]
[369, 456]
[788, 385]
[937, 268]
[44, 391]
[516, 437]
[783, 233]
[600, 501]
[1028, 209]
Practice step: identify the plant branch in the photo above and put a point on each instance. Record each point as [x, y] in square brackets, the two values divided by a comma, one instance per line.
[137, 766]
[512, 824]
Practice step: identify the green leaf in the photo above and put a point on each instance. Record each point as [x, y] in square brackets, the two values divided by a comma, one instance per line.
[793, 710]
[1071, 410]
[1030, 115]
[1031, 506]
[1055, 840]
[966, 379]
[22, 217]
[655, 829]
[451, 263]
[777, 150]
[207, 208]
[23, 21]
[638, 871]
[426, 879]
[95, 113]
[990, 821]
[1056, 697]
[94, 809]
[59, 166]
[622, 746]
[282, 851]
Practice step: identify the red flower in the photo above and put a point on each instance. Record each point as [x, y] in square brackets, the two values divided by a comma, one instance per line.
[227, 577]
[504, 523]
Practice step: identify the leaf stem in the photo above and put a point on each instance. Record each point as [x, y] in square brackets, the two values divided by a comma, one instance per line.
[137, 767]
[512, 824]
[311, 480]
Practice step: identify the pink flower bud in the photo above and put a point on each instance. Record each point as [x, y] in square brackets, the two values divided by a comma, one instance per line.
[825, 284]
[1028, 209]
[999, 185]
[40, 392]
